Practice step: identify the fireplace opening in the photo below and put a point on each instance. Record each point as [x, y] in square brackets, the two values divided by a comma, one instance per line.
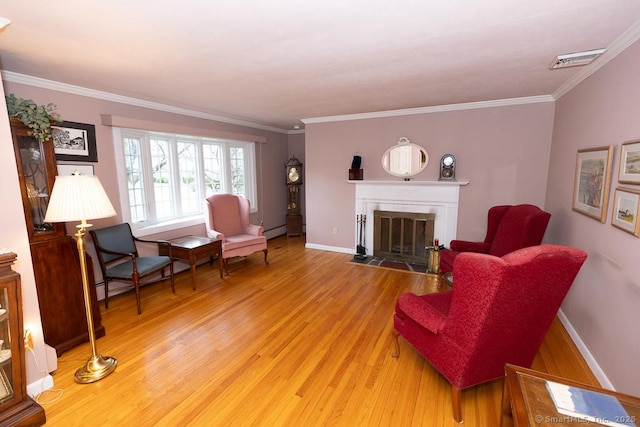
[402, 235]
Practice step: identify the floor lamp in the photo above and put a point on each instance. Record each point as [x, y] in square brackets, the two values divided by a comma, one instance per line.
[79, 197]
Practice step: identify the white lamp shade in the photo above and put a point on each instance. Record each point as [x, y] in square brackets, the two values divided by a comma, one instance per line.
[77, 198]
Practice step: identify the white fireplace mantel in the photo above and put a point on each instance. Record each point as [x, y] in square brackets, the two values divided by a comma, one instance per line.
[408, 183]
[438, 197]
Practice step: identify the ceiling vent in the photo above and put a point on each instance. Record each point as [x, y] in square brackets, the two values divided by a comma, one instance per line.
[575, 59]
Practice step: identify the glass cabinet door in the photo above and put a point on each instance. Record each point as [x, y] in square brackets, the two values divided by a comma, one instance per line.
[36, 181]
[37, 171]
[6, 362]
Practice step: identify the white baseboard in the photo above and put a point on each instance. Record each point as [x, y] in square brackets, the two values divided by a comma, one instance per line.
[330, 248]
[39, 386]
[588, 357]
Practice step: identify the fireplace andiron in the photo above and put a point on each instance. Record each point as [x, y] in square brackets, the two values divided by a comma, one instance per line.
[361, 248]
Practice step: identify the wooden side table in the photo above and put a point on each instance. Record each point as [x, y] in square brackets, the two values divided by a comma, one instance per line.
[526, 401]
[192, 249]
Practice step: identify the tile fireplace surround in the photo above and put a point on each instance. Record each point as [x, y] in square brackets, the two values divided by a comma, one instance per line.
[438, 197]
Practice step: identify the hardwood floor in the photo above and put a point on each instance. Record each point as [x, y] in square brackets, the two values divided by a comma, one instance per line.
[304, 341]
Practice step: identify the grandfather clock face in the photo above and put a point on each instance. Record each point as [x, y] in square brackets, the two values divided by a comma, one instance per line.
[293, 175]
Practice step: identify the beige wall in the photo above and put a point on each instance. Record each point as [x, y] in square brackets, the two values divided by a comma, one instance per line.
[603, 304]
[502, 151]
[14, 238]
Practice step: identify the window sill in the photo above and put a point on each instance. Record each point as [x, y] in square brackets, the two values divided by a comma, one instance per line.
[168, 226]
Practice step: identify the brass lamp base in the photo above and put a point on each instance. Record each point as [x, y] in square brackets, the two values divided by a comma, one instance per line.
[97, 367]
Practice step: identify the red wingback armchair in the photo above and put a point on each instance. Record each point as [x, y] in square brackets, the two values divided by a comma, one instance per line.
[498, 312]
[228, 219]
[508, 228]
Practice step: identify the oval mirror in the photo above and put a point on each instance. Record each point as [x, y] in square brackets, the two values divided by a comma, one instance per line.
[405, 159]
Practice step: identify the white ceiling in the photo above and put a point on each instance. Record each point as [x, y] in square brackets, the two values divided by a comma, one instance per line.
[274, 62]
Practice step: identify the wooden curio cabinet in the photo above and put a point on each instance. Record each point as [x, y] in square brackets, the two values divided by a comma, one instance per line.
[55, 255]
[16, 407]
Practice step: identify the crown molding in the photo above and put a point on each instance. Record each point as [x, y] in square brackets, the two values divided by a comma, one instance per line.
[434, 109]
[106, 96]
[627, 38]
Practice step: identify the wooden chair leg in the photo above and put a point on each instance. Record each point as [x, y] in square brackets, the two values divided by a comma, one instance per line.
[396, 336]
[106, 293]
[265, 257]
[173, 283]
[225, 263]
[456, 401]
[136, 286]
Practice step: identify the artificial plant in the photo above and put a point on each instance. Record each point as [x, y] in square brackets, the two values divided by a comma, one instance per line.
[36, 117]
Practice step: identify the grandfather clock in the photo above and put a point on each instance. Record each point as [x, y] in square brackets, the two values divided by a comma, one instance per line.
[294, 180]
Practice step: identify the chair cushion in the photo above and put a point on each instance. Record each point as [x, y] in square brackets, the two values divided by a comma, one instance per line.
[242, 240]
[145, 266]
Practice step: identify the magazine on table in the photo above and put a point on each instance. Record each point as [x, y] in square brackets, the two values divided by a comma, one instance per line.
[589, 405]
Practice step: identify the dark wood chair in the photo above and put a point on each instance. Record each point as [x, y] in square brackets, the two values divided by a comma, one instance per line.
[119, 259]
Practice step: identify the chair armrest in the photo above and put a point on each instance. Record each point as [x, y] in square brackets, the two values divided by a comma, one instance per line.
[213, 234]
[158, 242]
[422, 312]
[255, 230]
[465, 246]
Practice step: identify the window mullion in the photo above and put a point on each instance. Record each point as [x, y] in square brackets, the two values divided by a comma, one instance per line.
[175, 177]
[227, 183]
[202, 189]
[147, 169]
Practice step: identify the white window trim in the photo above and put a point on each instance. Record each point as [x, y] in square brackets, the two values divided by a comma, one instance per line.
[187, 221]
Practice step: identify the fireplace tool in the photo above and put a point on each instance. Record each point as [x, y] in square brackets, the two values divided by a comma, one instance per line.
[361, 249]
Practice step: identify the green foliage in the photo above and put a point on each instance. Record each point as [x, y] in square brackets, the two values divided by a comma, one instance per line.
[37, 118]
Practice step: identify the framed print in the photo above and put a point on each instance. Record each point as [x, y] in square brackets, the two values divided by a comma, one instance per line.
[630, 163]
[591, 182]
[65, 170]
[625, 210]
[74, 142]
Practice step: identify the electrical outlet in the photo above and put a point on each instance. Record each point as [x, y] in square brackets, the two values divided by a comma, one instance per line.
[335, 230]
[28, 340]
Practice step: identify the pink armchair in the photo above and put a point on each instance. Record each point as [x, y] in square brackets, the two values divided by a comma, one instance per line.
[228, 219]
[498, 312]
[508, 228]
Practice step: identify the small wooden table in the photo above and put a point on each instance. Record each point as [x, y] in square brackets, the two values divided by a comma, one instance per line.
[526, 401]
[194, 248]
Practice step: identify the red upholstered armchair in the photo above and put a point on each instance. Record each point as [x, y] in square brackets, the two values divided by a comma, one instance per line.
[227, 219]
[508, 228]
[499, 311]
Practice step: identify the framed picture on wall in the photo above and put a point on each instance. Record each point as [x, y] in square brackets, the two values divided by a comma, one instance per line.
[630, 163]
[65, 170]
[626, 204]
[591, 182]
[74, 142]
